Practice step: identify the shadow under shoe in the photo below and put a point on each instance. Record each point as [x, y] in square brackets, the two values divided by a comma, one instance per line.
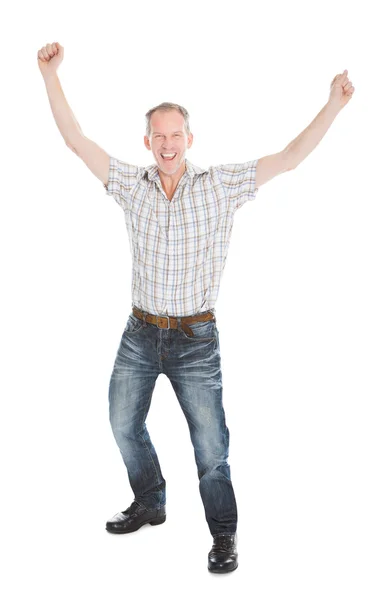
[134, 517]
[223, 556]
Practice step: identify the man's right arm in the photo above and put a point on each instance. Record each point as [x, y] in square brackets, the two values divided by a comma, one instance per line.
[92, 155]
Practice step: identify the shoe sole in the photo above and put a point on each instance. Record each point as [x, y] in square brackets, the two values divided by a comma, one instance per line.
[223, 570]
[157, 521]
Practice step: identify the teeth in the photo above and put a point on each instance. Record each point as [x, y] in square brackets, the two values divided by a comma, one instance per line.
[169, 155]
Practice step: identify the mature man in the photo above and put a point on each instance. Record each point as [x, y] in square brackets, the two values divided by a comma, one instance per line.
[179, 219]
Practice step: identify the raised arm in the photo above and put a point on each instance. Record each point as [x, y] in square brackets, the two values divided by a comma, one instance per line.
[341, 92]
[98, 161]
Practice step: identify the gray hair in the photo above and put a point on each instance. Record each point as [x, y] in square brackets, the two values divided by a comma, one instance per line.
[166, 106]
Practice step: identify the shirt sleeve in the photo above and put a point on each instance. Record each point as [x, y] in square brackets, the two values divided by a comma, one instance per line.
[122, 177]
[239, 181]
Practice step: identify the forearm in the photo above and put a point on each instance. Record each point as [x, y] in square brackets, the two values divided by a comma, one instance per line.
[301, 146]
[63, 115]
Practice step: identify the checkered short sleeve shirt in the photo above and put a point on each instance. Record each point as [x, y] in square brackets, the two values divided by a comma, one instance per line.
[179, 246]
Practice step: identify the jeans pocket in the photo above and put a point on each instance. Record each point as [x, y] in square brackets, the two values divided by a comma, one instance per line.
[203, 331]
[134, 325]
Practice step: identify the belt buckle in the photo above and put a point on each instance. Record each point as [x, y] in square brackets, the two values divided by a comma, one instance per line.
[168, 321]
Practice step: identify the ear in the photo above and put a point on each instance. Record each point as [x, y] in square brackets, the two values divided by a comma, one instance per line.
[190, 140]
[146, 142]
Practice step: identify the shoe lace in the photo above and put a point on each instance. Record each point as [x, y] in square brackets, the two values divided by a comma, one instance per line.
[131, 508]
[222, 543]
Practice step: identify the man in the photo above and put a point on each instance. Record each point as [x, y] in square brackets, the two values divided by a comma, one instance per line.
[179, 219]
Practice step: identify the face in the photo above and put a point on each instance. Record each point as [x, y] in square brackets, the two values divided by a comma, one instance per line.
[168, 136]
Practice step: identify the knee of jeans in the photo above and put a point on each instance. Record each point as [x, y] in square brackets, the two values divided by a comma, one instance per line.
[214, 468]
[123, 428]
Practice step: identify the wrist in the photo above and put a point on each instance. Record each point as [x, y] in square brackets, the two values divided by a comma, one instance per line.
[333, 108]
[50, 77]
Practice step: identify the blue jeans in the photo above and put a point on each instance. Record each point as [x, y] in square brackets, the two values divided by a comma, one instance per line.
[193, 366]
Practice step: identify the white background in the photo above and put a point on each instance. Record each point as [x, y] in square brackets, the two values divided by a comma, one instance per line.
[295, 311]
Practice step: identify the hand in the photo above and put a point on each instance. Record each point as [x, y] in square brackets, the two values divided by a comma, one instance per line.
[341, 91]
[49, 58]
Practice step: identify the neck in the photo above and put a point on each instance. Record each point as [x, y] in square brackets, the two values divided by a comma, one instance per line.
[170, 182]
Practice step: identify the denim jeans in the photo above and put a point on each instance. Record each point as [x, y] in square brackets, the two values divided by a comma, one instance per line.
[193, 366]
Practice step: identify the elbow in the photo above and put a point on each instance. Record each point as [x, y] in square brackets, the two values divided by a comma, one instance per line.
[291, 164]
[71, 147]
[289, 160]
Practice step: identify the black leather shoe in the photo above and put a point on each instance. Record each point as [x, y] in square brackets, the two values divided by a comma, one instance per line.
[134, 517]
[223, 556]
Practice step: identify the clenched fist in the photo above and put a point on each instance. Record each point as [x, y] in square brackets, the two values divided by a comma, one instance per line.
[341, 90]
[49, 58]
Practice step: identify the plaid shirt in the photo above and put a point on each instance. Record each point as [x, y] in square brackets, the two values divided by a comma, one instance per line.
[179, 247]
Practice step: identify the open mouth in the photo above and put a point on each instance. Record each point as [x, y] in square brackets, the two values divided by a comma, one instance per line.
[169, 156]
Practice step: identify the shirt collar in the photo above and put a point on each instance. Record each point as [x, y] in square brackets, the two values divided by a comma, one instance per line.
[191, 171]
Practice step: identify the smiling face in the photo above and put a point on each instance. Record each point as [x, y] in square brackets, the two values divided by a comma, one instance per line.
[168, 136]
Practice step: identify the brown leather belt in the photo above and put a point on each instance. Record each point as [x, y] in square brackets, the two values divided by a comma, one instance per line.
[172, 322]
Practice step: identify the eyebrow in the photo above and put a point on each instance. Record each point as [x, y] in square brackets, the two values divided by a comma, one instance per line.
[154, 132]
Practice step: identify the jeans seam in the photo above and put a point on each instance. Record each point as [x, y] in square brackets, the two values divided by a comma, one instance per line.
[145, 444]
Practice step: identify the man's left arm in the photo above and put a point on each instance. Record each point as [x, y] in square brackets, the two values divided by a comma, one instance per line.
[341, 91]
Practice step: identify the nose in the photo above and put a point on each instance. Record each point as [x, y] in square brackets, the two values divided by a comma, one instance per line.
[164, 144]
